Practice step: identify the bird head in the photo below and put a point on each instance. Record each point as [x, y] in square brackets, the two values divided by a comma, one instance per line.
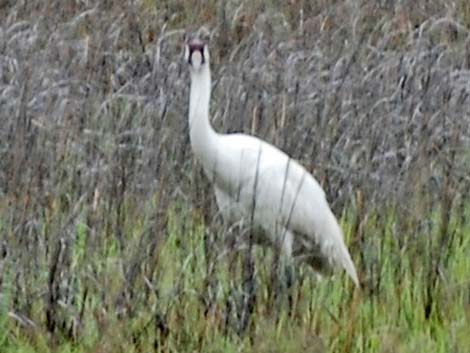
[197, 52]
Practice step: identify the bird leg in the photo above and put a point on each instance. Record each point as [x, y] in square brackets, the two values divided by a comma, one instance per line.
[284, 273]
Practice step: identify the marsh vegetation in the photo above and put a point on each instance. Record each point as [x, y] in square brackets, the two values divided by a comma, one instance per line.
[110, 239]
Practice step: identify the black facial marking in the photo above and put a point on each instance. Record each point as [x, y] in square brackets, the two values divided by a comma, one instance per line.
[193, 47]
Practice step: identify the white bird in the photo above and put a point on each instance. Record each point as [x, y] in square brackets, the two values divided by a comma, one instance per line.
[261, 186]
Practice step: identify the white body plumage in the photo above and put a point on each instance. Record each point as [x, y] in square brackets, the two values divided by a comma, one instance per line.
[261, 186]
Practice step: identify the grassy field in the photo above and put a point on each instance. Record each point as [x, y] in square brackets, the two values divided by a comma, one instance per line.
[93, 296]
[110, 238]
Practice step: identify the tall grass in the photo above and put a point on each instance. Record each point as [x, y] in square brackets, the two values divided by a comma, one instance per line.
[190, 303]
[110, 239]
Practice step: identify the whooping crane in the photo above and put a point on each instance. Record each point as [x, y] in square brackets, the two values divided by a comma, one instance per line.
[260, 185]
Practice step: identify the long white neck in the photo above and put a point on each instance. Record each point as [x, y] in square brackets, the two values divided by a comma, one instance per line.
[202, 135]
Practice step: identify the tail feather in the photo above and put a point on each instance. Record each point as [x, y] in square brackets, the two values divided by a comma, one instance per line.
[349, 267]
[340, 253]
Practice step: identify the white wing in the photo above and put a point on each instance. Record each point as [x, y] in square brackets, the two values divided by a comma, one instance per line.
[256, 181]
